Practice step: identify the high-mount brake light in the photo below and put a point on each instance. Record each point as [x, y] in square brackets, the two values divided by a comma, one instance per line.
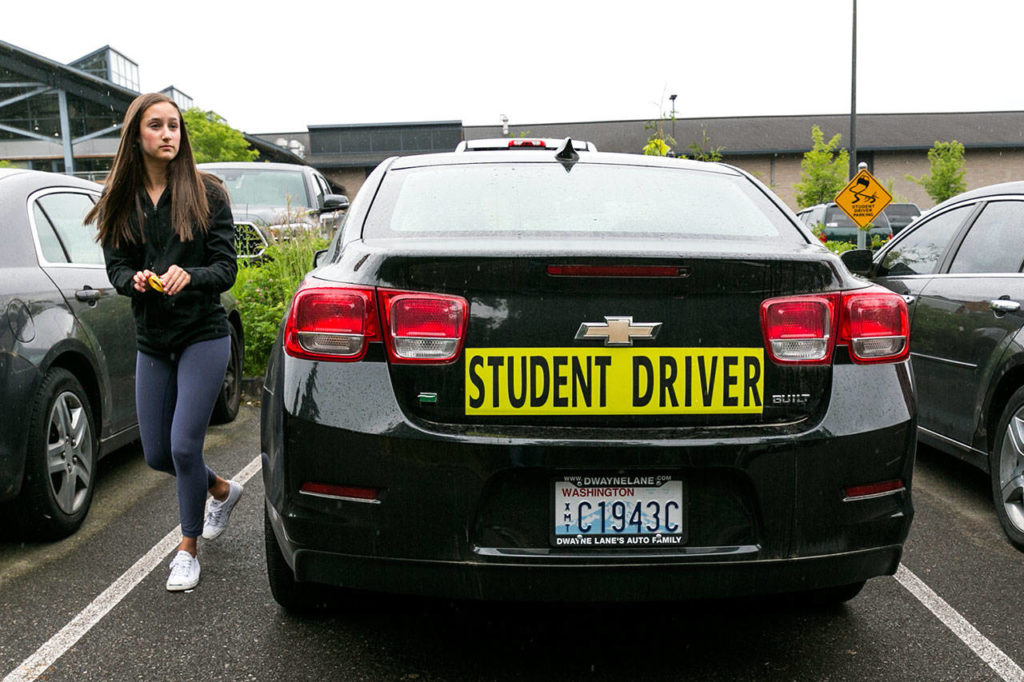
[798, 329]
[618, 271]
[525, 142]
[423, 327]
[872, 323]
[331, 323]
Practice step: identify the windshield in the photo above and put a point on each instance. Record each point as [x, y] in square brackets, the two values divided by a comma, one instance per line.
[264, 187]
[530, 199]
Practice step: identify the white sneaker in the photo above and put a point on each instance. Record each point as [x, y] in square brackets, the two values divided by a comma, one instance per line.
[218, 513]
[184, 572]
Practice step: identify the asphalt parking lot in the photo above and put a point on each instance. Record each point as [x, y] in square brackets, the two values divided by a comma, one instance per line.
[94, 606]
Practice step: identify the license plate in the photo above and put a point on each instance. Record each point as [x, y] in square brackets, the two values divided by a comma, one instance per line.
[617, 511]
[614, 381]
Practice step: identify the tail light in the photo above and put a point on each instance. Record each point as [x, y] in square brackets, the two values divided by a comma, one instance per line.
[423, 327]
[872, 323]
[337, 323]
[526, 142]
[331, 323]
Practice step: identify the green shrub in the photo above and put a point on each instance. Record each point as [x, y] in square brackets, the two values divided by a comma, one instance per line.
[264, 289]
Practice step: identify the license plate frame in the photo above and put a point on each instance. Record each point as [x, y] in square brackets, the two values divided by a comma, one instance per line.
[638, 511]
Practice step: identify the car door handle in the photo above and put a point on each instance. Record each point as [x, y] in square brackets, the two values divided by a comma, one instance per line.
[1002, 305]
[88, 295]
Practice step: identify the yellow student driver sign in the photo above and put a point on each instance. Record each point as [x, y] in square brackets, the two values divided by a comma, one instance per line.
[863, 198]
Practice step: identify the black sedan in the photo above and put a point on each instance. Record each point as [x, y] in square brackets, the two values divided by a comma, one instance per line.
[67, 355]
[959, 267]
[583, 376]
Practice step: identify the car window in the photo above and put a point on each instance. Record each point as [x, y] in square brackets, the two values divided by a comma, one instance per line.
[61, 215]
[322, 188]
[919, 252]
[995, 242]
[264, 187]
[488, 199]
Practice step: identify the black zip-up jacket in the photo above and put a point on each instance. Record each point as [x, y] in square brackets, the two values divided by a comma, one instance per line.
[164, 324]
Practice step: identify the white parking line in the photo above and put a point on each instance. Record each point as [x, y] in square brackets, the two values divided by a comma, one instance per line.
[46, 655]
[979, 644]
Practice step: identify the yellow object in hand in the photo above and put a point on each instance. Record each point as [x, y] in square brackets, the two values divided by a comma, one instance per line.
[155, 282]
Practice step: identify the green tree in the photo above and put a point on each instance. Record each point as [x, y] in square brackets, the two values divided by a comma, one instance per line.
[703, 150]
[214, 140]
[658, 142]
[4, 163]
[945, 178]
[822, 170]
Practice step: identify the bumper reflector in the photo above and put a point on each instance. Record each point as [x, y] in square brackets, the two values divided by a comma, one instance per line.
[340, 492]
[864, 492]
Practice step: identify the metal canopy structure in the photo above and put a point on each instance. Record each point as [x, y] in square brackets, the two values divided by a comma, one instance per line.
[47, 101]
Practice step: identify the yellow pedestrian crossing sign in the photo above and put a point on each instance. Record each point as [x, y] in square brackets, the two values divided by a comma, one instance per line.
[863, 198]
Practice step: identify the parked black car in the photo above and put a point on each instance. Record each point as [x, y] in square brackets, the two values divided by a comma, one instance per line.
[959, 269]
[901, 214]
[67, 354]
[559, 376]
[271, 200]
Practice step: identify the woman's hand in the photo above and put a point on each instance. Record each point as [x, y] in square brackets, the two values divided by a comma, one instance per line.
[139, 279]
[175, 279]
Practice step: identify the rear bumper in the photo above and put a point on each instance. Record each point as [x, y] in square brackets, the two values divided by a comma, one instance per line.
[468, 514]
[585, 578]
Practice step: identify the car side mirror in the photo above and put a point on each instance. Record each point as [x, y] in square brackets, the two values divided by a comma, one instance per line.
[318, 257]
[334, 202]
[858, 261]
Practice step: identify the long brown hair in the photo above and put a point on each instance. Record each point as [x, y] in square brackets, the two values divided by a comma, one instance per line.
[190, 207]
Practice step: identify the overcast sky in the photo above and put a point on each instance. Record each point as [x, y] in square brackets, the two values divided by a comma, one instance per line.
[271, 66]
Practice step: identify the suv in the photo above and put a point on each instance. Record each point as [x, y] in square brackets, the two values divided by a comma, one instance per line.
[900, 215]
[838, 227]
[270, 199]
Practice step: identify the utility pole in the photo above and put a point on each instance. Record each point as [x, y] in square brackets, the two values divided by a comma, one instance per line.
[853, 98]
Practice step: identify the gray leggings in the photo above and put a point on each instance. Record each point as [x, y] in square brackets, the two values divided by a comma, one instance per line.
[174, 398]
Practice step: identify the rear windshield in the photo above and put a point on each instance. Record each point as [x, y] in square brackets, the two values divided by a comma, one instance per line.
[902, 211]
[263, 187]
[541, 198]
[836, 217]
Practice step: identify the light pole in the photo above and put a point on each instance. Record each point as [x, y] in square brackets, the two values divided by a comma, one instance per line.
[853, 98]
[672, 99]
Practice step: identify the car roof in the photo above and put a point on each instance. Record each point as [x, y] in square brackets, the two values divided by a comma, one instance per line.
[1016, 187]
[258, 165]
[534, 156]
[46, 179]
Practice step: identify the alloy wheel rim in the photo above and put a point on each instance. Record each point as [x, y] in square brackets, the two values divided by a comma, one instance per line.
[1011, 470]
[69, 453]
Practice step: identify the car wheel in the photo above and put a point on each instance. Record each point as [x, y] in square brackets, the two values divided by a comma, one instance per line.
[288, 592]
[226, 408]
[1006, 466]
[60, 460]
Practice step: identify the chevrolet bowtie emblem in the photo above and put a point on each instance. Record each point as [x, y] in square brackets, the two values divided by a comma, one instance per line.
[618, 331]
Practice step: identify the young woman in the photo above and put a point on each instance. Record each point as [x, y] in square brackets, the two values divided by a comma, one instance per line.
[168, 239]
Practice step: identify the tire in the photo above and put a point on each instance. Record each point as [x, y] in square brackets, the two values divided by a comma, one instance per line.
[290, 594]
[60, 459]
[1006, 469]
[226, 408]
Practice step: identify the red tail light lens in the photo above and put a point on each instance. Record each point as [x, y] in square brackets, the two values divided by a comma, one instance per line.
[331, 323]
[874, 324]
[799, 328]
[423, 327]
